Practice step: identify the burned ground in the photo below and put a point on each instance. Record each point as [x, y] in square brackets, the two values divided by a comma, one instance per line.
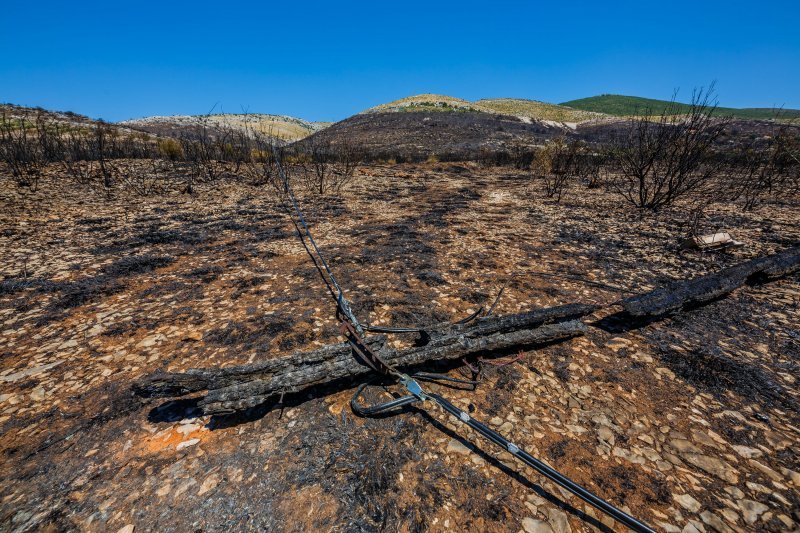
[457, 136]
[689, 421]
[453, 136]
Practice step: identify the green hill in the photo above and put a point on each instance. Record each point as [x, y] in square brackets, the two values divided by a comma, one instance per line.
[619, 105]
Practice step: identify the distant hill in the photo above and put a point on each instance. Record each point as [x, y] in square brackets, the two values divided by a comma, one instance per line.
[428, 102]
[516, 107]
[534, 109]
[619, 105]
[18, 113]
[281, 127]
[414, 136]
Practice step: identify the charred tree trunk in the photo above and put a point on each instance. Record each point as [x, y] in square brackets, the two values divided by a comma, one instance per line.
[234, 388]
[684, 294]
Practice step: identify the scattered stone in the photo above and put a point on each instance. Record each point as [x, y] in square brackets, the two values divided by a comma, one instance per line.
[456, 446]
[558, 520]
[208, 484]
[187, 443]
[606, 434]
[693, 527]
[714, 521]
[688, 502]
[712, 465]
[193, 336]
[185, 429]
[751, 510]
[618, 343]
[126, 529]
[746, 452]
[531, 525]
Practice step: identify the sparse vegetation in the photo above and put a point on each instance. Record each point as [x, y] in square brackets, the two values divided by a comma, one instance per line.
[556, 165]
[661, 158]
[623, 106]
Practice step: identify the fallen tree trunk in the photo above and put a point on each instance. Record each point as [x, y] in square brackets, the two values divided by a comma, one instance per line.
[683, 294]
[235, 388]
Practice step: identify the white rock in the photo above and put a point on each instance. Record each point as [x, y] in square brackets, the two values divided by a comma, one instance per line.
[747, 453]
[688, 502]
[456, 446]
[187, 443]
[751, 510]
[531, 525]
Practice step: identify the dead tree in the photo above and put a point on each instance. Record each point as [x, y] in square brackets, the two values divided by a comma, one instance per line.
[103, 149]
[556, 164]
[663, 157]
[20, 150]
[347, 157]
[761, 169]
[316, 158]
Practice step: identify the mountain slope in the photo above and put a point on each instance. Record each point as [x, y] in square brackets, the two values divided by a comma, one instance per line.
[427, 102]
[515, 107]
[620, 105]
[414, 136]
[534, 109]
[279, 126]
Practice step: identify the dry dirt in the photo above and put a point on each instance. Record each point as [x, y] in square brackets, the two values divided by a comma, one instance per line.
[690, 423]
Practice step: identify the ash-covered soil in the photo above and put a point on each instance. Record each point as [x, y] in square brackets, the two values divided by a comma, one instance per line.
[689, 423]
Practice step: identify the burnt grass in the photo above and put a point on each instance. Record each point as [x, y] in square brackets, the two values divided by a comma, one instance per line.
[720, 370]
[219, 279]
[111, 279]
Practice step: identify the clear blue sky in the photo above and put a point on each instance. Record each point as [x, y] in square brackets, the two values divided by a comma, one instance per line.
[328, 60]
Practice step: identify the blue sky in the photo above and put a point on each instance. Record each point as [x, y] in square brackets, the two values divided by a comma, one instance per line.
[328, 60]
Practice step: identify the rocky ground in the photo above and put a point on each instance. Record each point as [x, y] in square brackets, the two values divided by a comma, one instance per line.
[689, 423]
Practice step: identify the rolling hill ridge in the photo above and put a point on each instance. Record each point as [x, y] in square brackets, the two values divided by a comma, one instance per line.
[621, 105]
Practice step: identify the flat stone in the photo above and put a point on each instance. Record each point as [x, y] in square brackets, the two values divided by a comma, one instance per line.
[713, 521]
[693, 527]
[28, 372]
[712, 465]
[667, 527]
[730, 515]
[628, 455]
[791, 474]
[767, 471]
[187, 443]
[688, 502]
[746, 452]
[185, 429]
[606, 434]
[618, 343]
[456, 446]
[208, 484]
[751, 510]
[683, 446]
[126, 529]
[531, 525]
[735, 492]
[558, 520]
[193, 336]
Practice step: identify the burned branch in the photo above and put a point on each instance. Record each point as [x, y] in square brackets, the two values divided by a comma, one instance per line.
[683, 294]
[236, 388]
